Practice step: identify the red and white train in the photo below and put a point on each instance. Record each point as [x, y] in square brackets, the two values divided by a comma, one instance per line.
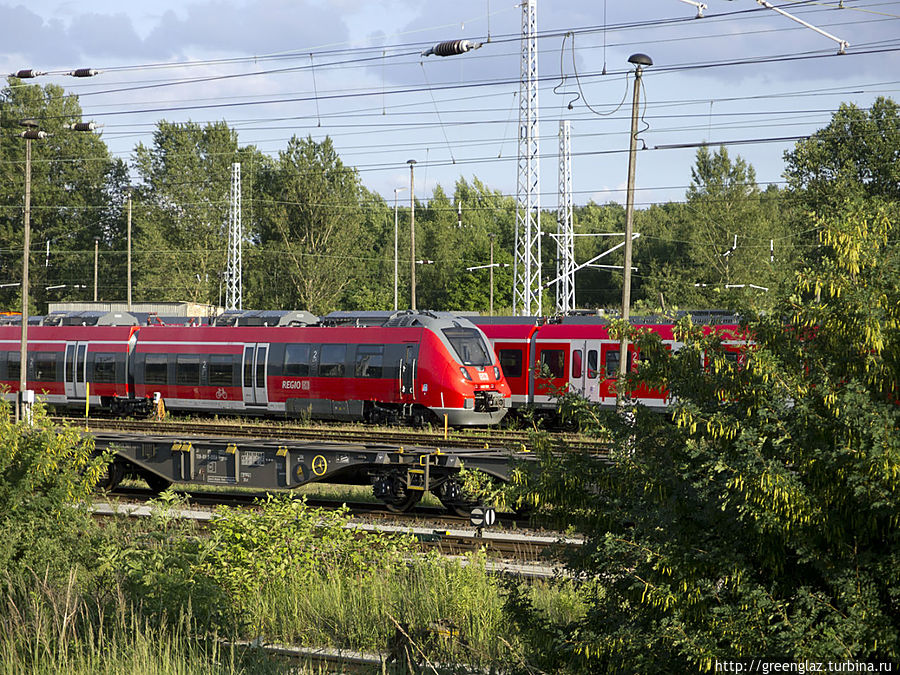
[580, 355]
[413, 366]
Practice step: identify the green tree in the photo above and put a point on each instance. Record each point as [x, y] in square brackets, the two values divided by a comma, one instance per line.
[763, 521]
[75, 196]
[855, 156]
[729, 234]
[181, 209]
[313, 223]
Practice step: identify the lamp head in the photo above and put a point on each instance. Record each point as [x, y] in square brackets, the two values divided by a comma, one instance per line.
[640, 60]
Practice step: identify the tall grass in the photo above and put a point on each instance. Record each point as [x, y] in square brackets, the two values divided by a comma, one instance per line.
[62, 630]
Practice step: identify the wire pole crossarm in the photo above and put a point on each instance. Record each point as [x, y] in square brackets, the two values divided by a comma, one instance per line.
[842, 44]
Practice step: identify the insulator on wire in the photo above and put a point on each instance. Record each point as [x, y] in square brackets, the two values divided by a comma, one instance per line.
[83, 72]
[33, 134]
[452, 48]
[83, 126]
[28, 74]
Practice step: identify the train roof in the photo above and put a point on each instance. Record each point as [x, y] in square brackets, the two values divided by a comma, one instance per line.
[261, 318]
[89, 318]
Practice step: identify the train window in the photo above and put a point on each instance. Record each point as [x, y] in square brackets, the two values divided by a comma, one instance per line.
[469, 346]
[104, 367]
[221, 370]
[592, 372]
[369, 360]
[261, 366]
[12, 372]
[331, 363]
[187, 370]
[576, 363]
[156, 369]
[45, 367]
[555, 360]
[296, 361]
[612, 363]
[511, 362]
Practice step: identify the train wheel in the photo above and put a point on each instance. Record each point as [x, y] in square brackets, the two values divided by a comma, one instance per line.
[402, 504]
[156, 483]
[454, 499]
[115, 472]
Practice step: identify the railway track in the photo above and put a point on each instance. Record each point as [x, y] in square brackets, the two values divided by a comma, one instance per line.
[491, 438]
[449, 535]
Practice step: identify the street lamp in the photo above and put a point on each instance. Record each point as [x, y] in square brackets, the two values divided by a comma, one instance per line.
[639, 60]
[412, 234]
[32, 133]
[397, 191]
[23, 409]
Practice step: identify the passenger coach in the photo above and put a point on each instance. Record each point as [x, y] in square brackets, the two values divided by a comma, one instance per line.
[413, 366]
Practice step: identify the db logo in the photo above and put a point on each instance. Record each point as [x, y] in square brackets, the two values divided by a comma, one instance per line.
[221, 394]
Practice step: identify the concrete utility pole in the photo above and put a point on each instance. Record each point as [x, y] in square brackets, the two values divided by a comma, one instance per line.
[96, 261]
[639, 60]
[412, 234]
[23, 409]
[129, 251]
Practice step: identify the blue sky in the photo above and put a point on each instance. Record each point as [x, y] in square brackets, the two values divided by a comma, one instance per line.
[351, 69]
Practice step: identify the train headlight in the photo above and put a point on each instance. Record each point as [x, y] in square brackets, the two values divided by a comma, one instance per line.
[497, 373]
[465, 373]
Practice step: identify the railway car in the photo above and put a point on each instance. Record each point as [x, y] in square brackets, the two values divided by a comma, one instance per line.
[71, 360]
[579, 355]
[414, 366]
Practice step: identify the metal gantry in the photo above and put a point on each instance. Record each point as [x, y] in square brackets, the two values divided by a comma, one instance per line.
[527, 261]
[234, 291]
[565, 226]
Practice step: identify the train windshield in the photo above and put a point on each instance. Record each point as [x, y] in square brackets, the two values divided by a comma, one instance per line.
[469, 346]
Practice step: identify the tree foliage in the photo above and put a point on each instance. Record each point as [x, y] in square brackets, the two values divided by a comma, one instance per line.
[75, 188]
[759, 518]
[313, 223]
[46, 476]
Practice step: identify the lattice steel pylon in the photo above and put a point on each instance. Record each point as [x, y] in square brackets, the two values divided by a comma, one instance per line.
[565, 226]
[234, 289]
[527, 262]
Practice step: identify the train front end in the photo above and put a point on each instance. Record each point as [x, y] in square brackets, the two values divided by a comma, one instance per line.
[469, 388]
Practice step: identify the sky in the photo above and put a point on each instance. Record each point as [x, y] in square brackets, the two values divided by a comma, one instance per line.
[743, 75]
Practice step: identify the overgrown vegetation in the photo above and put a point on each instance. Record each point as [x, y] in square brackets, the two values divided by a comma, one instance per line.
[760, 516]
[166, 596]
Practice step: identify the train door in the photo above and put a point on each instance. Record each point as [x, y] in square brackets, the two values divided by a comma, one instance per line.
[255, 371]
[550, 377]
[577, 369]
[408, 374]
[609, 369]
[75, 370]
[592, 375]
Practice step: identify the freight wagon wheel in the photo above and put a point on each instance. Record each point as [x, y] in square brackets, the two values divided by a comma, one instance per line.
[156, 483]
[455, 500]
[404, 503]
[115, 472]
